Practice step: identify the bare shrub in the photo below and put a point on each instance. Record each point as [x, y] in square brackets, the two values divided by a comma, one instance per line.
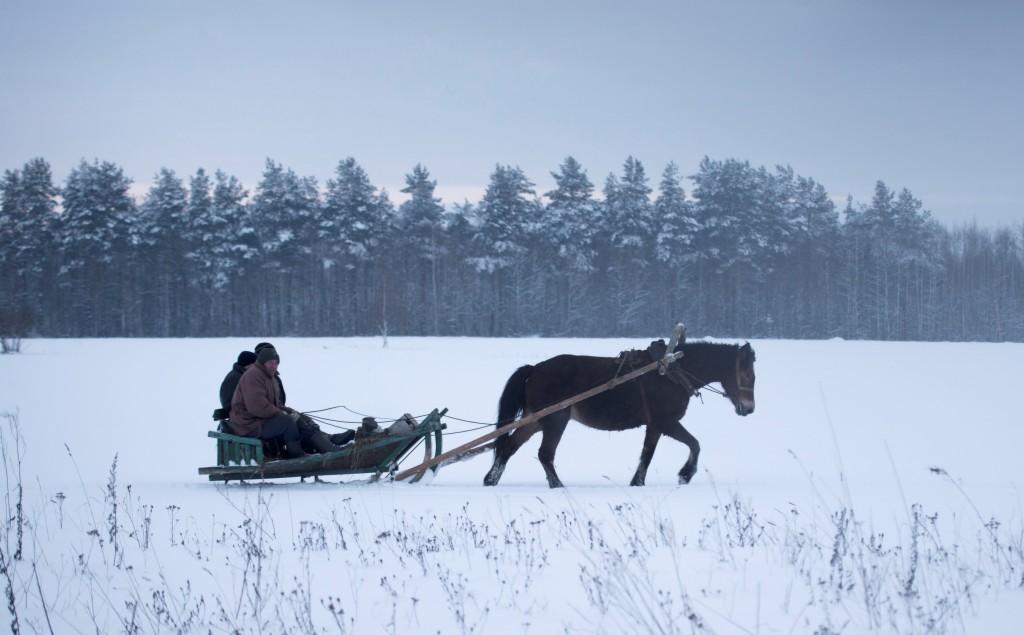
[15, 324]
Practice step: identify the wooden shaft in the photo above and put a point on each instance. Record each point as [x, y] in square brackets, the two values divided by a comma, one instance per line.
[540, 414]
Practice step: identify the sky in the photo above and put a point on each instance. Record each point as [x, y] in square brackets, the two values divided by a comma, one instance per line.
[922, 95]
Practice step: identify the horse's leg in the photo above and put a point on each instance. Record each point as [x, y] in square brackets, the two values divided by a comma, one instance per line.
[553, 427]
[650, 443]
[679, 433]
[504, 451]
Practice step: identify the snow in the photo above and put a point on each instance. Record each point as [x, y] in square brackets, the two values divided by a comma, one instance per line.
[819, 512]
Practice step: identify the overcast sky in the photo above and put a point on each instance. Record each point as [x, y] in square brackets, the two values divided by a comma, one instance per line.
[924, 95]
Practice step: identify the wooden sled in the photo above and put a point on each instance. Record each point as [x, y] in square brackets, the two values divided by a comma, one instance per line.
[241, 458]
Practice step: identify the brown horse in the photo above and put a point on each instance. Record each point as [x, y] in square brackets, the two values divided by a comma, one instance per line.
[657, 401]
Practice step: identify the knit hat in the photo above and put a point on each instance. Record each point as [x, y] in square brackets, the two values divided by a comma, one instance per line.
[246, 357]
[261, 346]
[266, 354]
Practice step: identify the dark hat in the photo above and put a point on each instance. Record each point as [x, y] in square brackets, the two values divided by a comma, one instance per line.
[246, 357]
[261, 346]
[266, 354]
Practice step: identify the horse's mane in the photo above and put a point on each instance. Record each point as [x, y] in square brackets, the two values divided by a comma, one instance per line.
[710, 355]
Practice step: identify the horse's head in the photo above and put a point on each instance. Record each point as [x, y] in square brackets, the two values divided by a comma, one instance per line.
[739, 385]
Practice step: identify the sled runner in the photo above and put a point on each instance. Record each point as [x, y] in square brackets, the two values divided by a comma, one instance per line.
[241, 458]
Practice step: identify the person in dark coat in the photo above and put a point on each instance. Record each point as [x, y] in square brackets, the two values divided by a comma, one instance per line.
[257, 410]
[227, 387]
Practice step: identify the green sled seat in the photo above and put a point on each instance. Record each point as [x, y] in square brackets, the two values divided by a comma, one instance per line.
[241, 458]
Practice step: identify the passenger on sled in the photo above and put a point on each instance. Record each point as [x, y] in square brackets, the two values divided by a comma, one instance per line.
[258, 410]
[227, 387]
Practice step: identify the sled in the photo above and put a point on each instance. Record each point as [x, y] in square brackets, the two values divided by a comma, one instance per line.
[241, 458]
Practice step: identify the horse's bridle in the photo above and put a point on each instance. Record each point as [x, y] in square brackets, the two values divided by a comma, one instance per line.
[744, 391]
[694, 390]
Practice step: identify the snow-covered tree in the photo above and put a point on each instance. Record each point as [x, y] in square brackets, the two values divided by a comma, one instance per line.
[11, 211]
[571, 219]
[420, 216]
[285, 211]
[96, 235]
[353, 221]
[98, 220]
[727, 209]
[163, 220]
[508, 215]
[628, 209]
[221, 239]
[233, 240]
[674, 222]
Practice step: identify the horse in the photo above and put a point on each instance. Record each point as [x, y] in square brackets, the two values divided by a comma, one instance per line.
[655, 400]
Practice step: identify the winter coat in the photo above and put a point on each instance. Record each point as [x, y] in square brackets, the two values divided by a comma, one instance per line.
[227, 387]
[280, 388]
[256, 399]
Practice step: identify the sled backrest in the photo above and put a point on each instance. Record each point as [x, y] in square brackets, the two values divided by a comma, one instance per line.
[235, 450]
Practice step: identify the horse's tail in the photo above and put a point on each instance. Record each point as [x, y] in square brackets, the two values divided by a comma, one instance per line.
[512, 401]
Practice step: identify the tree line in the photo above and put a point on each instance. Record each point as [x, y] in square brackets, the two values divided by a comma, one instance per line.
[750, 252]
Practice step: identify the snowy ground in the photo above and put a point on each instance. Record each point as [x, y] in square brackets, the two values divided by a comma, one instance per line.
[818, 513]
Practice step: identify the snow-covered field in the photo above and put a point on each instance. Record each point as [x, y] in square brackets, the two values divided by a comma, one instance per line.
[875, 488]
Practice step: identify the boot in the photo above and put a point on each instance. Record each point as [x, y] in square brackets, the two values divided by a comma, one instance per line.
[293, 450]
[343, 437]
[321, 442]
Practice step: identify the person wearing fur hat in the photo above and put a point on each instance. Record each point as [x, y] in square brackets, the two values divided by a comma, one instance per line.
[257, 410]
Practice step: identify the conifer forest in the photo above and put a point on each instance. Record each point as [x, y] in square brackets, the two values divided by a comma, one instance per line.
[733, 249]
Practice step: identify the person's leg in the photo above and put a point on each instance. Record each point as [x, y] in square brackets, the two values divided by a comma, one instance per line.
[313, 439]
[284, 428]
[342, 438]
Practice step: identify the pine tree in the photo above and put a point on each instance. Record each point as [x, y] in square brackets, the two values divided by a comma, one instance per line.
[726, 194]
[163, 218]
[420, 227]
[96, 234]
[11, 210]
[460, 283]
[355, 230]
[508, 214]
[570, 221]
[569, 249]
[38, 201]
[162, 231]
[420, 216]
[674, 223]
[629, 210]
[97, 224]
[285, 214]
[352, 221]
[806, 295]
[230, 237]
[629, 230]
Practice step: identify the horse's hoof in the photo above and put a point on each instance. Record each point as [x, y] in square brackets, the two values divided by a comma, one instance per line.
[555, 485]
[636, 482]
[685, 478]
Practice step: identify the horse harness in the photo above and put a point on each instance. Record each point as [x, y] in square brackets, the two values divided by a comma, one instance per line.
[673, 372]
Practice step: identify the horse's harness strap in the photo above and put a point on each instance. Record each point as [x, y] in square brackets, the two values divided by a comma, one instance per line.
[675, 373]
